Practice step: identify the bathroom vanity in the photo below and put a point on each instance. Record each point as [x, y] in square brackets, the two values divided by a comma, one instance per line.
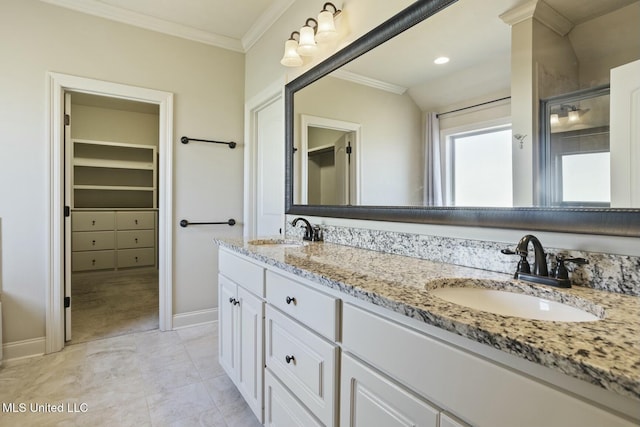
[326, 334]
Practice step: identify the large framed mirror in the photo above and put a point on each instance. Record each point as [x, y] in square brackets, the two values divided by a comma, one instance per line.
[465, 143]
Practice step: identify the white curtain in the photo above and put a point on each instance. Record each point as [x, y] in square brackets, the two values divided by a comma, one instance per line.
[433, 180]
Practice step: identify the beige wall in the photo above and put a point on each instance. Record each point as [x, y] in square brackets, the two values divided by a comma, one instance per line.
[106, 124]
[208, 84]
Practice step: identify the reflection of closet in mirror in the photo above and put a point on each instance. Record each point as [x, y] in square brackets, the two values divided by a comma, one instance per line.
[575, 155]
[329, 161]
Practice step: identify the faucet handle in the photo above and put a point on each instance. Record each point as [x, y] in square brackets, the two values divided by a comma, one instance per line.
[523, 264]
[560, 272]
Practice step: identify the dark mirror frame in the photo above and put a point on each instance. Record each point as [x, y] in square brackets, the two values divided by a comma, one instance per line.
[614, 222]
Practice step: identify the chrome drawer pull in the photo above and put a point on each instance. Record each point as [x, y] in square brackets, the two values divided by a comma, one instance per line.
[290, 359]
[291, 300]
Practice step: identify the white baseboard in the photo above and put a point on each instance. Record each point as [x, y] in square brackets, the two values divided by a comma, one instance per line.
[192, 318]
[23, 349]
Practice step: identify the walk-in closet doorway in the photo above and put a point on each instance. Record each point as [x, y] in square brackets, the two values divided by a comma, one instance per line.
[111, 192]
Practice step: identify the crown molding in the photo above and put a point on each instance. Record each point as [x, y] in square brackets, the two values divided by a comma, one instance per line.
[378, 84]
[542, 12]
[264, 22]
[102, 10]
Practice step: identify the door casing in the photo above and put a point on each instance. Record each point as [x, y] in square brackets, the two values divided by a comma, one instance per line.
[58, 84]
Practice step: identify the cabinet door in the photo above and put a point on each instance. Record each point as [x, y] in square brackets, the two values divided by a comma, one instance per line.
[92, 221]
[92, 240]
[135, 220]
[226, 325]
[136, 239]
[368, 399]
[250, 355]
[281, 408]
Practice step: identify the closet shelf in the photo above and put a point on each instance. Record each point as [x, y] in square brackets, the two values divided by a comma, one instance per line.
[112, 164]
[321, 149]
[112, 187]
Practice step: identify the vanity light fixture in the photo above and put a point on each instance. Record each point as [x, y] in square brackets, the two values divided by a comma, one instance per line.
[441, 60]
[291, 57]
[314, 31]
[326, 23]
[307, 45]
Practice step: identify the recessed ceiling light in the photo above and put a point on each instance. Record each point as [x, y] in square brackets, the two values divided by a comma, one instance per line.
[441, 60]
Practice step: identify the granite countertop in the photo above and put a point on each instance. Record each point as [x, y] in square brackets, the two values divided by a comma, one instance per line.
[605, 352]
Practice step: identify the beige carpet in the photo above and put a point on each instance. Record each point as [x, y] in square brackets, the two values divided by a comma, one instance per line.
[108, 304]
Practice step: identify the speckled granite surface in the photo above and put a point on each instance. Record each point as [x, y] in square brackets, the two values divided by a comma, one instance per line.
[609, 272]
[605, 352]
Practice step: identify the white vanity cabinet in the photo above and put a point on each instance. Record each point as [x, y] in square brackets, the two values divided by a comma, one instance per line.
[478, 391]
[370, 399]
[241, 327]
[301, 327]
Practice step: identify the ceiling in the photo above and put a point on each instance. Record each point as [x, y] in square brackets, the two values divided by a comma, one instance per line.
[230, 24]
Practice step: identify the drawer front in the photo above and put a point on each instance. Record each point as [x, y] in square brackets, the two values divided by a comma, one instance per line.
[281, 408]
[304, 362]
[93, 260]
[317, 310]
[92, 221]
[369, 399]
[136, 239]
[135, 220]
[242, 272]
[136, 257]
[92, 240]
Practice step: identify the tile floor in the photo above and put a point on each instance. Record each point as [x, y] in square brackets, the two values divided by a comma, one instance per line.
[147, 378]
[108, 304]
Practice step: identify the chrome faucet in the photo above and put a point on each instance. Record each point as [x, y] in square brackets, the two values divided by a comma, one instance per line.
[540, 274]
[312, 233]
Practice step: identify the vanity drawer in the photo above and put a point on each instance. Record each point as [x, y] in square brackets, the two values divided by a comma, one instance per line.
[136, 239]
[92, 260]
[135, 220]
[92, 221]
[281, 408]
[136, 257]
[313, 308]
[92, 240]
[242, 272]
[305, 362]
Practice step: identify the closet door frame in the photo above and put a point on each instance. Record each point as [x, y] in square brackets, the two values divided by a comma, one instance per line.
[58, 84]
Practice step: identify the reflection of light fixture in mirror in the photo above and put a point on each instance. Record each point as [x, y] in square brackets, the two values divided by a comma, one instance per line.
[441, 60]
[326, 30]
[554, 119]
[574, 115]
[291, 57]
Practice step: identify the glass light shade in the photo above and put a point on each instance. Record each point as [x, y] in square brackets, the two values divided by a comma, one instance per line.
[291, 57]
[554, 119]
[307, 45]
[574, 116]
[326, 27]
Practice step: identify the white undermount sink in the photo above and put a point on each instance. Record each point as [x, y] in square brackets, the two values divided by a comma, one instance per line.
[513, 304]
[276, 242]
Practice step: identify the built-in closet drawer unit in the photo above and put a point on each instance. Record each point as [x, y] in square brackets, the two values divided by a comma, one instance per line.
[130, 239]
[305, 362]
[92, 260]
[315, 309]
[92, 240]
[92, 221]
[135, 220]
[135, 257]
